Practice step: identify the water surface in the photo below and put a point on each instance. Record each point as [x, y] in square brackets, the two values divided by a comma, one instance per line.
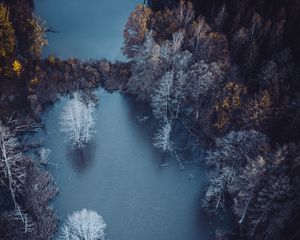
[87, 28]
[119, 176]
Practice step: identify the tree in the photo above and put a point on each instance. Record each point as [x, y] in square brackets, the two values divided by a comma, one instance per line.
[185, 13]
[7, 33]
[179, 92]
[235, 148]
[203, 77]
[246, 185]
[146, 68]
[77, 121]
[135, 30]
[162, 139]
[7, 42]
[257, 110]
[199, 31]
[12, 168]
[83, 225]
[38, 39]
[215, 196]
[161, 97]
[177, 41]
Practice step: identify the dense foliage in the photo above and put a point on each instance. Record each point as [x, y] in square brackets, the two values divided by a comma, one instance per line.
[228, 71]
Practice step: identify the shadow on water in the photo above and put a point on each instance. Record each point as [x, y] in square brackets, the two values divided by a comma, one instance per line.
[81, 159]
[186, 144]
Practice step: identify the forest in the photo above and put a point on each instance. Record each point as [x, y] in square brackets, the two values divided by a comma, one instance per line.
[228, 71]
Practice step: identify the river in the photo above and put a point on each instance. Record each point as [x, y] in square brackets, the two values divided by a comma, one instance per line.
[119, 173]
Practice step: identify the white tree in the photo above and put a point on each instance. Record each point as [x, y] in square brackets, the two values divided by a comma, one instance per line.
[77, 121]
[12, 171]
[162, 139]
[200, 29]
[177, 41]
[146, 68]
[44, 155]
[203, 77]
[83, 225]
[179, 91]
[236, 147]
[185, 13]
[215, 195]
[160, 99]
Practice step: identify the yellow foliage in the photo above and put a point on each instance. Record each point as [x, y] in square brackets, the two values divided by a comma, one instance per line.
[38, 38]
[229, 99]
[34, 81]
[222, 121]
[135, 29]
[258, 108]
[51, 59]
[7, 33]
[17, 67]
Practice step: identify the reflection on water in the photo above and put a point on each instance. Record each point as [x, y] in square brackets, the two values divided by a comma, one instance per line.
[81, 158]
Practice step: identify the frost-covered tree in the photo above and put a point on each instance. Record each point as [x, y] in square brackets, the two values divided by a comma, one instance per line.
[238, 168]
[185, 13]
[78, 121]
[267, 208]
[246, 185]
[177, 41]
[83, 225]
[235, 148]
[179, 92]
[215, 196]
[199, 31]
[162, 139]
[160, 99]
[146, 68]
[12, 168]
[182, 61]
[203, 77]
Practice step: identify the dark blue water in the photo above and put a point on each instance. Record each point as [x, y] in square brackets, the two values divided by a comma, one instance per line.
[87, 28]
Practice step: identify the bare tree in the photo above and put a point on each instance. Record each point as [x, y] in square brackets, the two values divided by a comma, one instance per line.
[146, 68]
[83, 225]
[199, 29]
[11, 168]
[77, 121]
[162, 139]
[215, 195]
[177, 41]
[161, 97]
[236, 147]
[185, 13]
[203, 77]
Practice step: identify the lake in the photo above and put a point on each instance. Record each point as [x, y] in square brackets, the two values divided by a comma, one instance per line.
[86, 28]
[118, 174]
